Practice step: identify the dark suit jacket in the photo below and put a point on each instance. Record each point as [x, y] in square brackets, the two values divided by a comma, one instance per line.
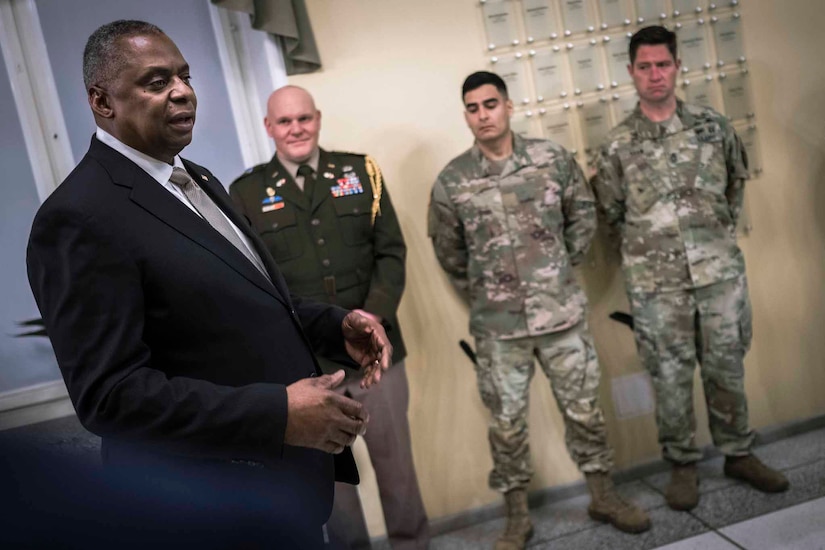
[170, 342]
[325, 238]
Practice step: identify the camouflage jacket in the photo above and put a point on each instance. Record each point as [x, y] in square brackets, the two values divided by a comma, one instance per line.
[674, 191]
[508, 241]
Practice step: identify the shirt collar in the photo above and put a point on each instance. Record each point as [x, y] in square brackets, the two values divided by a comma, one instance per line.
[292, 168]
[157, 169]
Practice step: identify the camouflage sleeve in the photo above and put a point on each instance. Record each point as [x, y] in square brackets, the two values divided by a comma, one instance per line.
[447, 234]
[579, 208]
[736, 160]
[607, 186]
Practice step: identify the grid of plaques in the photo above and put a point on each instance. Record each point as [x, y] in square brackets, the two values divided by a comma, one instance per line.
[565, 63]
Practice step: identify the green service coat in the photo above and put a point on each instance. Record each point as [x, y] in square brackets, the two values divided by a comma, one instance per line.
[327, 248]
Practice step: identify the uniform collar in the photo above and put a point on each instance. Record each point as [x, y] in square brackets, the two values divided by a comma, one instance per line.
[644, 128]
[292, 167]
[519, 159]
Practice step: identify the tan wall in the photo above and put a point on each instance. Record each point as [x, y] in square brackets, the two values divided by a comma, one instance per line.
[390, 86]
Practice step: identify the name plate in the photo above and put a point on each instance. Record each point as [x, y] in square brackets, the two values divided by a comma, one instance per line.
[548, 75]
[525, 126]
[511, 70]
[686, 7]
[498, 22]
[576, 15]
[693, 46]
[736, 95]
[613, 12]
[728, 34]
[557, 128]
[624, 106]
[701, 91]
[618, 59]
[584, 64]
[650, 10]
[540, 20]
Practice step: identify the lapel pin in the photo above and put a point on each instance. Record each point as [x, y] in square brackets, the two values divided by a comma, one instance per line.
[204, 178]
[329, 175]
[280, 182]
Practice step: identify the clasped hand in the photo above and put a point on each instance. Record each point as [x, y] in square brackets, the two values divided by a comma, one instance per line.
[321, 418]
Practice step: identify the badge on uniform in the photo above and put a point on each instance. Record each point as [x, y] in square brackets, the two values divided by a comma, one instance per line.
[272, 201]
[348, 185]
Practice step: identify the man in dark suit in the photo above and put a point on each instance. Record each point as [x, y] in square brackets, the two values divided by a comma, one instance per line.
[175, 333]
[328, 221]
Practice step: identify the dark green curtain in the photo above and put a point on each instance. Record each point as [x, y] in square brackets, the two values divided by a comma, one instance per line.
[288, 22]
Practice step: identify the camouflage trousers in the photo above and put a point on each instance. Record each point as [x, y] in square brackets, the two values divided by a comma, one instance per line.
[504, 371]
[674, 331]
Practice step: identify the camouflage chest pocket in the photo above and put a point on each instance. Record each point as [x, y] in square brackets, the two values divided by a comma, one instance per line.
[354, 219]
[479, 205]
[712, 170]
[281, 234]
[641, 191]
[546, 193]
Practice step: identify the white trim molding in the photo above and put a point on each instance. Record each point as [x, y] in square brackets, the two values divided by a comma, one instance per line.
[35, 94]
[232, 31]
[33, 404]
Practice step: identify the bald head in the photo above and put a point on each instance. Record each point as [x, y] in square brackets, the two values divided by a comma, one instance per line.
[293, 122]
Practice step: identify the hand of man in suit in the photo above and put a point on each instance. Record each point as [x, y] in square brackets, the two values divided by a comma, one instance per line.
[320, 418]
[367, 343]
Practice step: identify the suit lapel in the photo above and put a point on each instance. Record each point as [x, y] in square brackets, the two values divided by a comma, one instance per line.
[149, 195]
[216, 192]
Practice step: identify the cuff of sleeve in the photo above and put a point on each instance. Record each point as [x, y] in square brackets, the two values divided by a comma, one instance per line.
[281, 414]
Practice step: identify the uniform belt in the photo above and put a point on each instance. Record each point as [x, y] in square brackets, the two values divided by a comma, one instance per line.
[329, 285]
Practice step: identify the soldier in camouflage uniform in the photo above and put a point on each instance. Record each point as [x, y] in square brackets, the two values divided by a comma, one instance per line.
[508, 219]
[670, 181]
[329, 223]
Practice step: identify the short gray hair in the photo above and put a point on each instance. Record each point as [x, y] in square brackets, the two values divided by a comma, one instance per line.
[103, 58]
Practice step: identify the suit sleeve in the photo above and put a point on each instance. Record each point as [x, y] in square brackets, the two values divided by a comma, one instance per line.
[390, 252]
[90, 293]
[322, 324]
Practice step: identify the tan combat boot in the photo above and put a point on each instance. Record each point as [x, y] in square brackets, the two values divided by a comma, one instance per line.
[519, 529]
[751, 470]
[606, 505]
[682, 493]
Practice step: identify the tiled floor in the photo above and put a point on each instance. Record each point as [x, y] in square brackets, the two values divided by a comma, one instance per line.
[729, 515]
